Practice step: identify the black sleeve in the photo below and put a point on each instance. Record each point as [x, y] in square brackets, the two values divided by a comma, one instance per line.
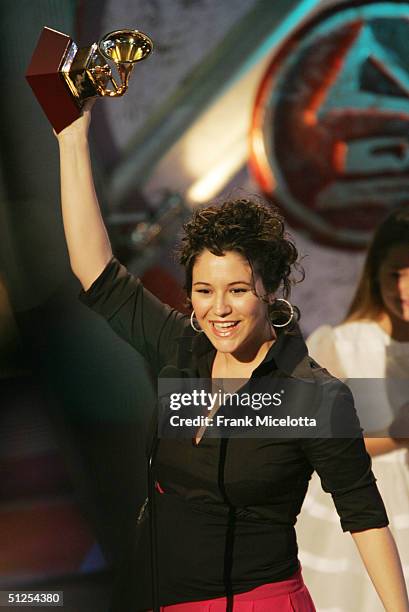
[344, 466]
[135, 314]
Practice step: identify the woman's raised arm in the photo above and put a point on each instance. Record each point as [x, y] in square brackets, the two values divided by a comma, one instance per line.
[87, 239]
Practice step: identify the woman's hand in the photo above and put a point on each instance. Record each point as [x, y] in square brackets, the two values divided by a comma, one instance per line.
[79, 127]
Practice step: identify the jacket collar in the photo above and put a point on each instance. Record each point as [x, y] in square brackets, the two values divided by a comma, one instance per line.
[288, 351]
[286, 354]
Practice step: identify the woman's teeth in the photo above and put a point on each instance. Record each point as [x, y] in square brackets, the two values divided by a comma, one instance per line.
[225, 328]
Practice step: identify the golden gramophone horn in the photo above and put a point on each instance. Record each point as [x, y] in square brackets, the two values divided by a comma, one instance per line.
[124, 47]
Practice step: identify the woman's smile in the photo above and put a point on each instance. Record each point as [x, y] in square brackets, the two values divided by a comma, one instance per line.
[226, 298]
[224, 329]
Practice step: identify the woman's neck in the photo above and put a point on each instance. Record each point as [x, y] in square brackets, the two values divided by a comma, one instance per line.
[231, 365]
[394, 327]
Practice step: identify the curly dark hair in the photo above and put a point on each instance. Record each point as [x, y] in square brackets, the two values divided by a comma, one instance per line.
[252, 228]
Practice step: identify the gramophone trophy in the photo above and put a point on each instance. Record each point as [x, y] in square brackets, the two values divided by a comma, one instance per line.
[63, 76]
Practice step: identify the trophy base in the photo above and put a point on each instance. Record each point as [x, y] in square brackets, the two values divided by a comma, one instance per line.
[47, 82]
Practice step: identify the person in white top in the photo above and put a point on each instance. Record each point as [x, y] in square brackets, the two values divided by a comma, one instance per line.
[370, 349]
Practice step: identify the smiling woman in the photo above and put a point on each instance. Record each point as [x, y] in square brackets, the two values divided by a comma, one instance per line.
[236, 257]
[230, 312]
[249, 228]
[219, 533]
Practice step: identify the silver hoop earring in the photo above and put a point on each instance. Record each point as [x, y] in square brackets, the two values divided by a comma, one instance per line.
[198, 331]
[291, 311]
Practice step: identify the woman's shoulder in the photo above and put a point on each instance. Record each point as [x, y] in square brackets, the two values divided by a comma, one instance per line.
[355, 333]
[341, 347]
[346, 348]
[350, 331]
[321, 338]
[322, 348]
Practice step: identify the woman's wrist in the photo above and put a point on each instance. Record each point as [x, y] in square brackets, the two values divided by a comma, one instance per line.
[72, 138]
[77, 131]
[381, 443]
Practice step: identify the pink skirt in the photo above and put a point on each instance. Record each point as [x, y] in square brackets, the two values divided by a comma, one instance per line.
[289, 595]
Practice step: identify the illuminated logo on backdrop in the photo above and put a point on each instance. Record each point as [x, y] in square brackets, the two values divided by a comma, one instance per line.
[330, 130]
